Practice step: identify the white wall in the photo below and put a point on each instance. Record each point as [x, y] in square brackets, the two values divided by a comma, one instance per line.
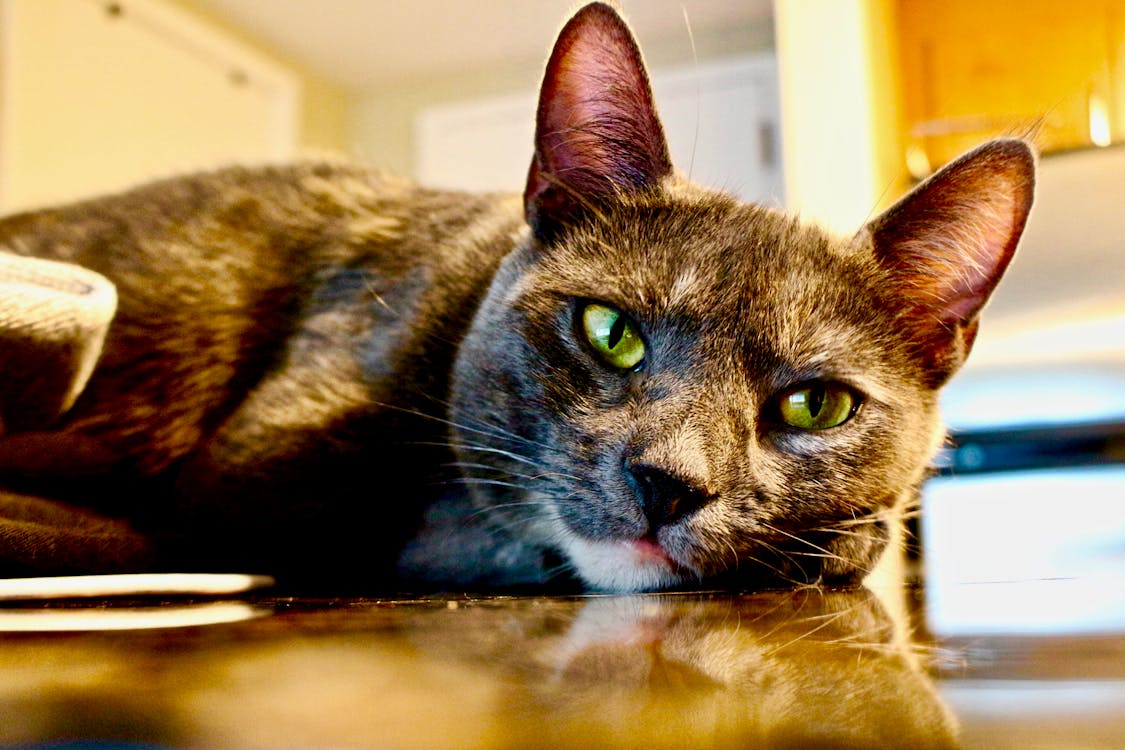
[383, 119]
[1072, 254]
[721, 119]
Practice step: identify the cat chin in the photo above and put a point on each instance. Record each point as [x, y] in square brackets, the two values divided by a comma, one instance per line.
[622, 566]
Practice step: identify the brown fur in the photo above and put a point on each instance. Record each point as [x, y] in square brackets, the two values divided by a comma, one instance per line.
[262, 344]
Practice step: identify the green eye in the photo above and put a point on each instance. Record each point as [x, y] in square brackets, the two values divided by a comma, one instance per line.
[817, 405]
[613, 336]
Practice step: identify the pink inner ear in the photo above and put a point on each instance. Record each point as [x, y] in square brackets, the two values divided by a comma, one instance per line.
[596, 118]
[958, 266]
[597, 133]
[949, 241]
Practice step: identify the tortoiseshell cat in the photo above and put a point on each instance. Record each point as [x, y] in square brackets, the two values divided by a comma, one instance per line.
[630, 382]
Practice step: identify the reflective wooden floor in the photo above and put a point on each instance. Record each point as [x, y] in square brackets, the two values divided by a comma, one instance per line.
[778, 669]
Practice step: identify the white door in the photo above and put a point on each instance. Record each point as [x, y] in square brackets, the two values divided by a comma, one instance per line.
[721, 119]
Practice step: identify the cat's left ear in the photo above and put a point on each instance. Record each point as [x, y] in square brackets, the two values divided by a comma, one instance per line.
[597, 135]
[946, 244]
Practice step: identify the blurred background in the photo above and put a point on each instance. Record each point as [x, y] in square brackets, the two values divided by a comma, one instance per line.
[832, 108]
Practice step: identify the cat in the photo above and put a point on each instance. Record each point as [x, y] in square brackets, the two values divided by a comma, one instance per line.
[620, 382]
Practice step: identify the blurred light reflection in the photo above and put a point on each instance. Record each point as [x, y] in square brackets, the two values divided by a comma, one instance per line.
[124, 618]
[1026, 552]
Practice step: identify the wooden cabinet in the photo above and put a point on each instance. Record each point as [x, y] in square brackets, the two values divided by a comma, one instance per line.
[975, 69]
[96, 95]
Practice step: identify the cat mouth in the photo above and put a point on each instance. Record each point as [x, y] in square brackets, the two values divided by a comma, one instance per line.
[626, 565]
[645, 564]
[649, 551]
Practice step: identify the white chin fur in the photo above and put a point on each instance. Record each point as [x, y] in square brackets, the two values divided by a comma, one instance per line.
[616, 566]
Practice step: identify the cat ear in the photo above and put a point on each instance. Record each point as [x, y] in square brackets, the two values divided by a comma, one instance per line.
[596, 132]
[947, 243]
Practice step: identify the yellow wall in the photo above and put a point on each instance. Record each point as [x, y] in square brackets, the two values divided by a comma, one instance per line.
[93, 100]
[839, 108]
[325, 106]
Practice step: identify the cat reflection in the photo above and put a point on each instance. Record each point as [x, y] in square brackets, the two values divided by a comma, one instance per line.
[799, 669]
[807, 668]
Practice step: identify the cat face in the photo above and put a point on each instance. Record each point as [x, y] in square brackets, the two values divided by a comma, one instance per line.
[681, 466]
[668, 387]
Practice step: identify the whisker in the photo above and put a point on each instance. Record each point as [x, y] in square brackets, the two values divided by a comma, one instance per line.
[841, 532]
[775, 570]
[698, 92]
[497, 432]
[480, 481]
[828, 621]
[482, 426]
[825, 553]
[545, 475]
[378, 297]
[485, 467]
[821, 555]
[560, 475]
[782, 553]
[876, 518]
[733, 551]
[497, 510]
[479, 449]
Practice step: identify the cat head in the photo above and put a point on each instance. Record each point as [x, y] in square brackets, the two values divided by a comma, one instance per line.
[667, 386]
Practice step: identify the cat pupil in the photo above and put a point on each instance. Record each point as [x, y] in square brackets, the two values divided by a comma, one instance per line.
[616, 332]
[816, 400]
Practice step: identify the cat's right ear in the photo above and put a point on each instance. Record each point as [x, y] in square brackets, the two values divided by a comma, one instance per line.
[946, 244]
[596, 131]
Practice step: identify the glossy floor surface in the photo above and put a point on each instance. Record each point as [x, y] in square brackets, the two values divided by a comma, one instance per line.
[801, 669]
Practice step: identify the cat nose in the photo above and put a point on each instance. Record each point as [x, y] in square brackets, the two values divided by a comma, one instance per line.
[664, 497]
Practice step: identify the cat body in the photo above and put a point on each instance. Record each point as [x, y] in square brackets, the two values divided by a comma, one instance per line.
[623, 380]
[279, 332]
